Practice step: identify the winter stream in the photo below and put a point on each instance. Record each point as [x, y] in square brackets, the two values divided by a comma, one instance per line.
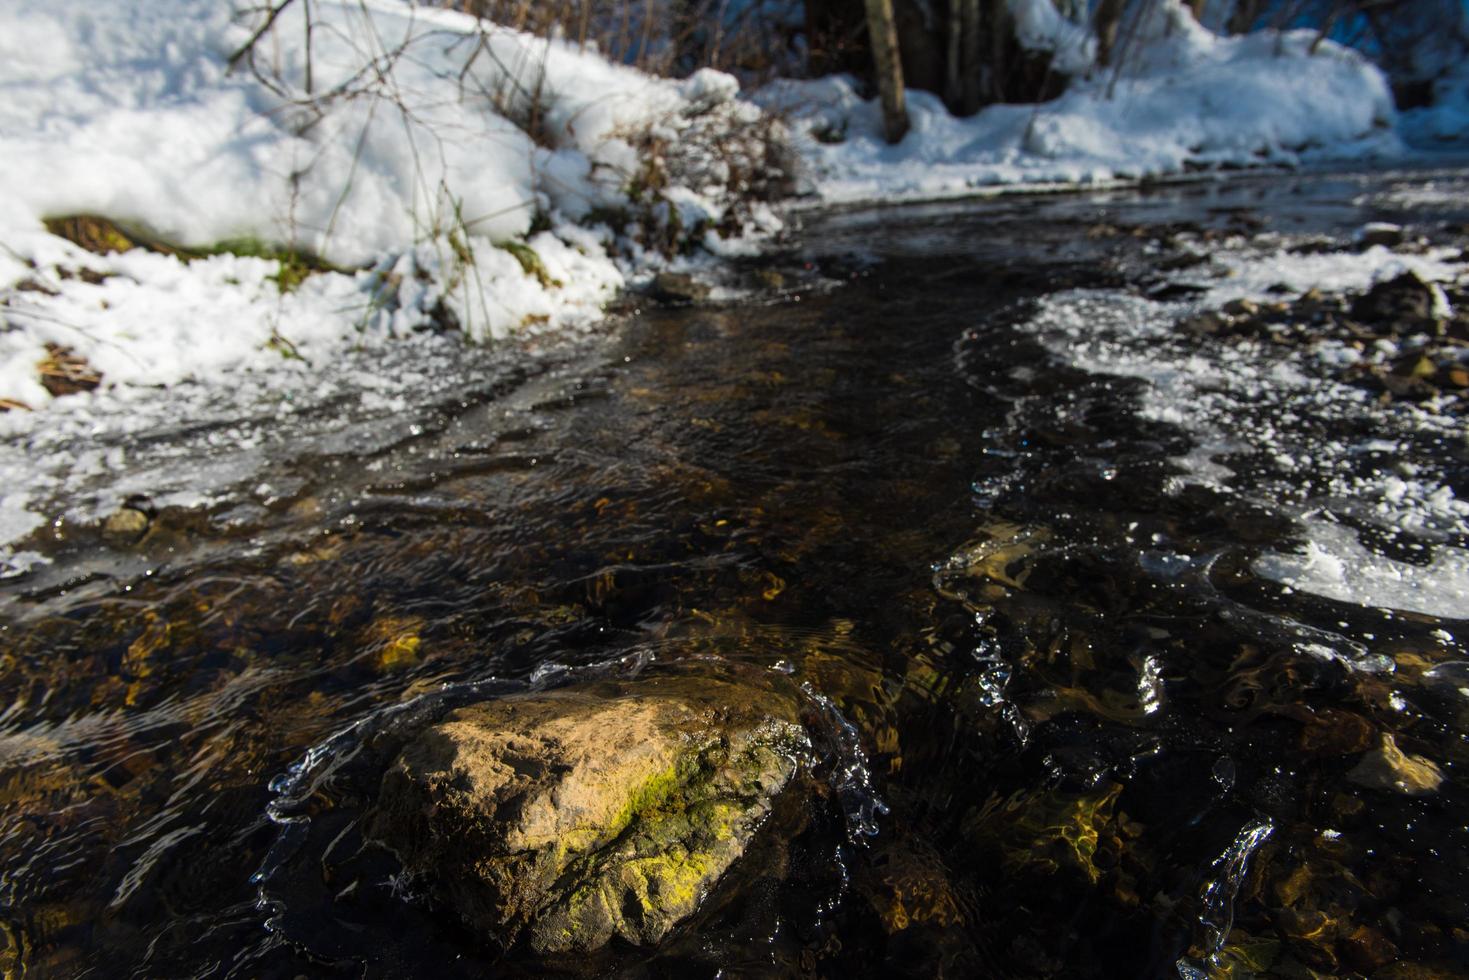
[1136, 642]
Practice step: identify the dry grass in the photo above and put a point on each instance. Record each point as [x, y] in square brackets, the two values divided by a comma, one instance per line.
[64, 372]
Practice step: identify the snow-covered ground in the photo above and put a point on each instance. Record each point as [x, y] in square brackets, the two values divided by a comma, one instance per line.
[1270, 408]
[1446, 121]
[1181, 98]
[444, 165]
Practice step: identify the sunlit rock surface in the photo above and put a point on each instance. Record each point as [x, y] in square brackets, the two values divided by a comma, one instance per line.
[577, 815]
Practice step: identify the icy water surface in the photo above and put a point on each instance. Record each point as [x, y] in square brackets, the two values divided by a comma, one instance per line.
[1041, 559]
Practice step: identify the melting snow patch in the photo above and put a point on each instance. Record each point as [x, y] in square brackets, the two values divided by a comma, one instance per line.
[1336, 565]
[1257, 274]
[1260, 414]
[16, 520]
[15, 564]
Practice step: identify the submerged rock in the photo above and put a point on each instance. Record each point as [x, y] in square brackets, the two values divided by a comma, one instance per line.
[395, 641]
[125, 525]
[577, 815]
[129, 523]
[1389, 768]
[679, 287]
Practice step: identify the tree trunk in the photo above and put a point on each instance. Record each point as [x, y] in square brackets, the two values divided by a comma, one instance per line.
[882, 30]
[1243, 17]
[970, 64]
[998, 14]
[953, 57]
[1108, 17]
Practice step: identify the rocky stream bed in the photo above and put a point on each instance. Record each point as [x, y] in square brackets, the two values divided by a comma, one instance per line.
[1050, 587]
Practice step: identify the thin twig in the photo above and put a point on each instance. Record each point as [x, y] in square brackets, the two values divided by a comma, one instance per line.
[309, 21]
[260, 32]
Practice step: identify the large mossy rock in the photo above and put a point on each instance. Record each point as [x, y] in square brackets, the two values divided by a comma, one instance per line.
[580, 814]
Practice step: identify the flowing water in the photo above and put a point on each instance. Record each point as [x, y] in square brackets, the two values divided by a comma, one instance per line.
[1070, 723]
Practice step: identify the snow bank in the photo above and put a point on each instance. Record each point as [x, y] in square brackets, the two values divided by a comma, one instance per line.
[1447, 119]
[1183, 98]
[407, 145]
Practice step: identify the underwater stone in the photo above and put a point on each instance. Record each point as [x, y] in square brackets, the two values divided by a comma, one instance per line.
[1387, 767]
[679, 287]
[125, 525]
[580, 814]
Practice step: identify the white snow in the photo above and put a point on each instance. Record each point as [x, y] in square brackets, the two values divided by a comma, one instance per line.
[129, 110]
[1039, 26]
[1183, 98]
[202, 443]
[422, 140]
[1336, 565]
[15, 519]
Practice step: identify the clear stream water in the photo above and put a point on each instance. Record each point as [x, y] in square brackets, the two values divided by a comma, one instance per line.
[1067, 723]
